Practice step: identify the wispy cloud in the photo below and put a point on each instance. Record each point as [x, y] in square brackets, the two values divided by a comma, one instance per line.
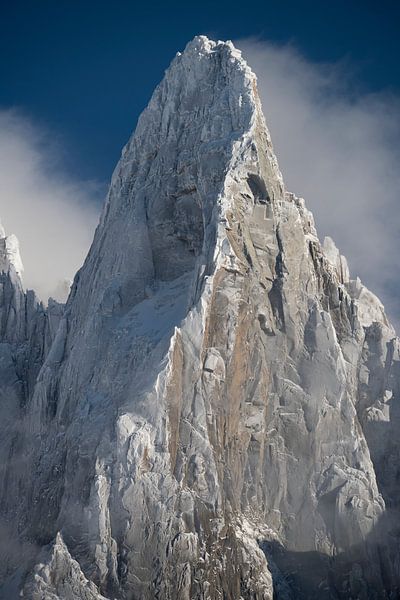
[52, 213]
[339, 148]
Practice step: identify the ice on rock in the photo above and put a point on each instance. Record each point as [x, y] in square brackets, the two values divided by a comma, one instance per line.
[337, 261]
[370, 308]
[214, 413]
[9, 253]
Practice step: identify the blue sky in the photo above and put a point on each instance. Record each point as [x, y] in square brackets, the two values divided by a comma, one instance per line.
[87, 69]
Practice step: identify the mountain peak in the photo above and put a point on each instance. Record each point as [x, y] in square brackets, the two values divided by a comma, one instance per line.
[201, 134]
[203, 45]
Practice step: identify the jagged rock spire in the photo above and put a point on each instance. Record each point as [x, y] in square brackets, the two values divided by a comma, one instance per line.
[9, 253]
[211, 394]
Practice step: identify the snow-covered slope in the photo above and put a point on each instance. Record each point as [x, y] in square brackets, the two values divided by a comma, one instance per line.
[218, 405]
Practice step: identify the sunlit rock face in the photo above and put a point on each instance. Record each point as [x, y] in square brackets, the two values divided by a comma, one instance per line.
[215, 415]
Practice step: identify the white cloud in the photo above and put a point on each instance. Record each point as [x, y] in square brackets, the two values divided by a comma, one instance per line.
[340, 150]
[52, 214]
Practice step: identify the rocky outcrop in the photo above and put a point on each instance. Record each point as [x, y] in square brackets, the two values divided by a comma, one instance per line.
[27, 330]
[59, 576]
[217, 407]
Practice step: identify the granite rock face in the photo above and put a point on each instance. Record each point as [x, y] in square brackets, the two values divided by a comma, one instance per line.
[214, 413]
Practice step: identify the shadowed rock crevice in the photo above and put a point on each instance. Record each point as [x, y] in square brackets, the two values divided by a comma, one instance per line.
[364, 572]
[258, 188]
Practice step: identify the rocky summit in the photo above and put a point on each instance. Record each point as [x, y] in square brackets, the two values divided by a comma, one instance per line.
[214, 413]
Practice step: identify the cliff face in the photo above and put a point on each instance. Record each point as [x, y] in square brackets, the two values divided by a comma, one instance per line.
[216, 414]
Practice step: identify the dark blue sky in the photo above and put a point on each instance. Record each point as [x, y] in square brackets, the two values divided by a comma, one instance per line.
[85, 70]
